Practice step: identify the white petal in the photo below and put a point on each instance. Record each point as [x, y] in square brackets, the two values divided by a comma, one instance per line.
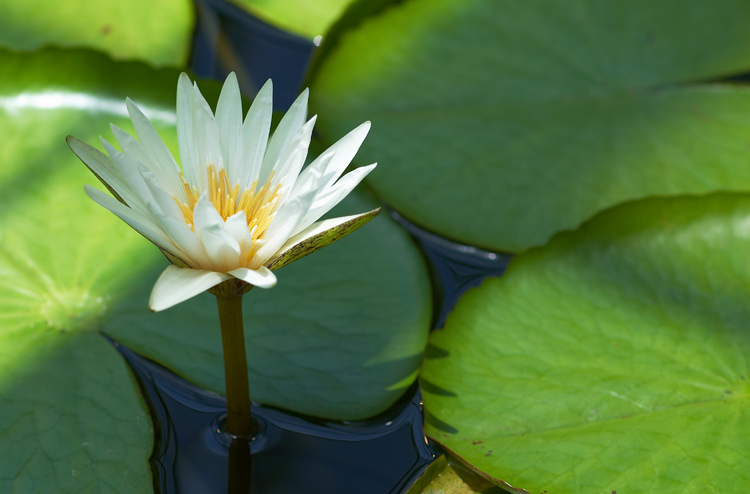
[197, 134]
[229, 123]
[152, 144]
[142, 224]
[222, 249]
[327, 199]
[205, 214]
[185, 138]
[167, 205]
[135, 153]
[102, 166]
[344, 151]
[255, 132]
[287, 129]
[129, 169]
[261, 277]
[190, 245]
[176, 285]
[293, 158]
[236, 226]
[282, 227]
[312, 177]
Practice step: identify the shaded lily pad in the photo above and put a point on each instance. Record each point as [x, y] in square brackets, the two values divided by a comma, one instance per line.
[157, 31]
[72, 416]
[613, 359]
[502, 123]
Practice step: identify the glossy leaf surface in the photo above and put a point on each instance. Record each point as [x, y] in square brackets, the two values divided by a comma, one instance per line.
[501, 123]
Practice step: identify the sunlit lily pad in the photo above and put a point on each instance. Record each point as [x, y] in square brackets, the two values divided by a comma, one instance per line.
[445, 476]
[157, 31]
[302, 17]
[354, 319]
[501, 123]
[614, 359]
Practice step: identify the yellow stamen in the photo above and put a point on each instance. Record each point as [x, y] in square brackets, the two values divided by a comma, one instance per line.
[259, 205]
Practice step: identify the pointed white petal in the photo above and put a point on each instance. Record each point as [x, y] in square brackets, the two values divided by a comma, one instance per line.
[197, 134]
[282, 227]
[176, 285]
[261, 277]
[312, 177]
[206, 135]
[154, 147]
[205, 214]
[165, 202]
[102, 166]
[191, 247]
[344, 151]
[229, 123]
[293, 158]
[129, 169]
[236, 226]
[129, 144]
[185, 137]
[142, 224]
[255, 133]
[222, 249]
[287, 129]
[327, 199]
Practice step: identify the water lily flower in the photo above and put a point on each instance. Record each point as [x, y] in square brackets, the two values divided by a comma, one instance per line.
[241, 205]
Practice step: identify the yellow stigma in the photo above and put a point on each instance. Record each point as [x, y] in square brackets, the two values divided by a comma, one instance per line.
[258, 204]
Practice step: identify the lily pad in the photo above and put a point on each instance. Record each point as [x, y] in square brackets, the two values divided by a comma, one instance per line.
[501, 123]
[444, 476]
[613, 359]
[302, 17]
[157, 31]
[72, 417]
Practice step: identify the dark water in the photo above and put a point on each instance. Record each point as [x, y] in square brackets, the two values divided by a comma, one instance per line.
[291, 453]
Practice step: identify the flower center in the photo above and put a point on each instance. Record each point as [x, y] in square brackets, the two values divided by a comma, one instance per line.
[259, 205]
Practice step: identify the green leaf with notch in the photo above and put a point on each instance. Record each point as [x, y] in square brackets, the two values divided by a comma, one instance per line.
[501, 123]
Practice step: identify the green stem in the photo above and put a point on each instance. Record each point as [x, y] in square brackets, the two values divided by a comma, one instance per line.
[239, 421]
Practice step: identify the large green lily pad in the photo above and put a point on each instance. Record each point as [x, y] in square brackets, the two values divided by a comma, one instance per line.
[614, 359]
[501, 123]
[157, 31]
[71, 418]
